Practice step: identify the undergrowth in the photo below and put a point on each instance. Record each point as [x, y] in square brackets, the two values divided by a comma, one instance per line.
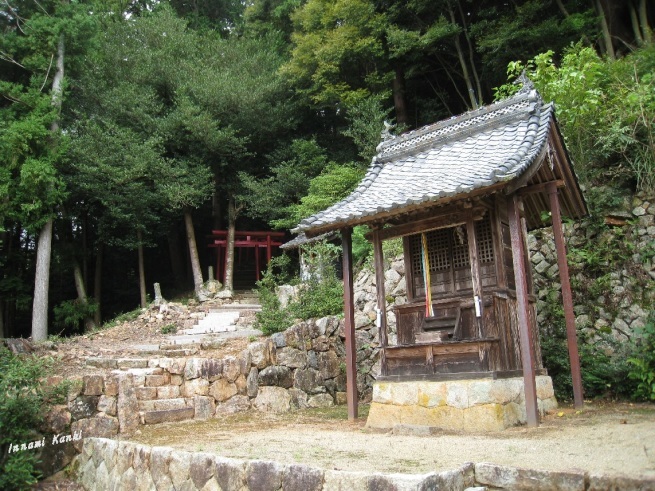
[319, 295]
[23, 404]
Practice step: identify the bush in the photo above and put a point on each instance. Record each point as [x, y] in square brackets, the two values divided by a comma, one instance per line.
[642, 362]
[320, 295]
[603, 364]
[273, 318]
[22, 406]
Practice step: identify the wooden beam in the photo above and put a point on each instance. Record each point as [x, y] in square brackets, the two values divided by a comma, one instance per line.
[432, 223]
[527, 358]
[541, 187]
[378, 258]
[349, 317]
[567, 296]
[475, 275]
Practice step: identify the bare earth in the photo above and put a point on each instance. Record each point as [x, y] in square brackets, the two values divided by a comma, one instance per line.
[604, 437]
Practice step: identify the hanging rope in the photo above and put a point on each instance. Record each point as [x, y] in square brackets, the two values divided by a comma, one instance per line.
[429, 312]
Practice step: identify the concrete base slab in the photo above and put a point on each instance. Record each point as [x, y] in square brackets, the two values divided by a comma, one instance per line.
[462, 405]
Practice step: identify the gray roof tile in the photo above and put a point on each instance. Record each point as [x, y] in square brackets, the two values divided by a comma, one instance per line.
[456, 156]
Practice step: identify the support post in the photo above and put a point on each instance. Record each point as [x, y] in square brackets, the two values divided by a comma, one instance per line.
[475, 275]
[527, 357]
[349, 318]
[567, 296]
[378, 258]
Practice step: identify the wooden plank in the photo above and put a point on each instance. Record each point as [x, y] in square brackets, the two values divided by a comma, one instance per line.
[349, 315]
[378, 259]
[527, 360]
[475, 275]
[541, 187]
[567, 296]
[432, 223]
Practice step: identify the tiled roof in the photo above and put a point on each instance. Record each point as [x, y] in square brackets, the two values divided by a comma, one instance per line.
[453, 157]
[302, 240]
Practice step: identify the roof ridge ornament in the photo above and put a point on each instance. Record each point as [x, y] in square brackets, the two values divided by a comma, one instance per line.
[527, 85]
[385, 134]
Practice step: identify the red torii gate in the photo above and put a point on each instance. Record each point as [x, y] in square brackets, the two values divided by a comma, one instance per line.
[256, 240]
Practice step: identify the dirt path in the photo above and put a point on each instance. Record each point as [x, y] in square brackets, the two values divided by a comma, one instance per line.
[608, 438]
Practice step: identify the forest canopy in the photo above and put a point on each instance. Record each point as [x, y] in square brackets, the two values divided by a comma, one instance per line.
[130, 129]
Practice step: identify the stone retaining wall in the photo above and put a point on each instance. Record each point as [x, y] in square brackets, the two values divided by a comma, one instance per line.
[108, 464]
[622, 292]
[299, 368]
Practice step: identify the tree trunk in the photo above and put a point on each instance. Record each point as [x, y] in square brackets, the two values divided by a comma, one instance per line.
[478, 85]
[97, 285]
[229, 254]
[462, 63]
[646, 31]
[193, 251]
[41, 283]
[217, 217]
[177, 266]
[44, 247]
[399, 101]
[2, 322]
[142, 272]
[80, 287]
[636, 27]
[607, 37]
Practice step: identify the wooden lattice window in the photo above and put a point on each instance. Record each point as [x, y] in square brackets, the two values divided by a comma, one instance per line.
[439, 249]
[415, 251]
[448, 253]
[460, 247]
[485, 241]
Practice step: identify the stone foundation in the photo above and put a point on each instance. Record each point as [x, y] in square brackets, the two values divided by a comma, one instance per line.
[463, 405]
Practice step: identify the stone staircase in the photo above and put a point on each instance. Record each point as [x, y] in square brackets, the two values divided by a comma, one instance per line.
[220, 322]
[158, 371]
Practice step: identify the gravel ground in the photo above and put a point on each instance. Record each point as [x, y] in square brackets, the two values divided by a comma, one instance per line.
[603, 437]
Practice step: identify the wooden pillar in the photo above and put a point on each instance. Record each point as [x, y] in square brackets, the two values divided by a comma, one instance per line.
[256, 262]
[378, 258]
[349, 318]
[218, 262]
[475, 275]
[527, 357]
[567, 296]
[268, 249]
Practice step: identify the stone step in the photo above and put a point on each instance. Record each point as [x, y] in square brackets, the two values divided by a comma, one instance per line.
[168, 415]
[236, 307]
[164, 393]
[162, 404]
[207, 329]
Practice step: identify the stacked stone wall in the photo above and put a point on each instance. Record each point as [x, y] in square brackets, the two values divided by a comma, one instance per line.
[612, 271]
[108, 464]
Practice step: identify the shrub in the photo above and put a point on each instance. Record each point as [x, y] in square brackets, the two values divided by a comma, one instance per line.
[23, 403]
[320, 295]
[273, 318]
[642, 362]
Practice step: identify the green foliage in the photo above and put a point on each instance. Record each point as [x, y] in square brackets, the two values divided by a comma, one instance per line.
[71, 313]
[23, 403]
[606, 109]
[366, 117]
[273, 318]
[322, 293]
[169, 329]
[125, 317]
[319, 295]
[603, 361]
[642, 362]
[333, 184]
[292, 168]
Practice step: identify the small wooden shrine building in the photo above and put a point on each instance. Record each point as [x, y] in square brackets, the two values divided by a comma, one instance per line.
[462, 194]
